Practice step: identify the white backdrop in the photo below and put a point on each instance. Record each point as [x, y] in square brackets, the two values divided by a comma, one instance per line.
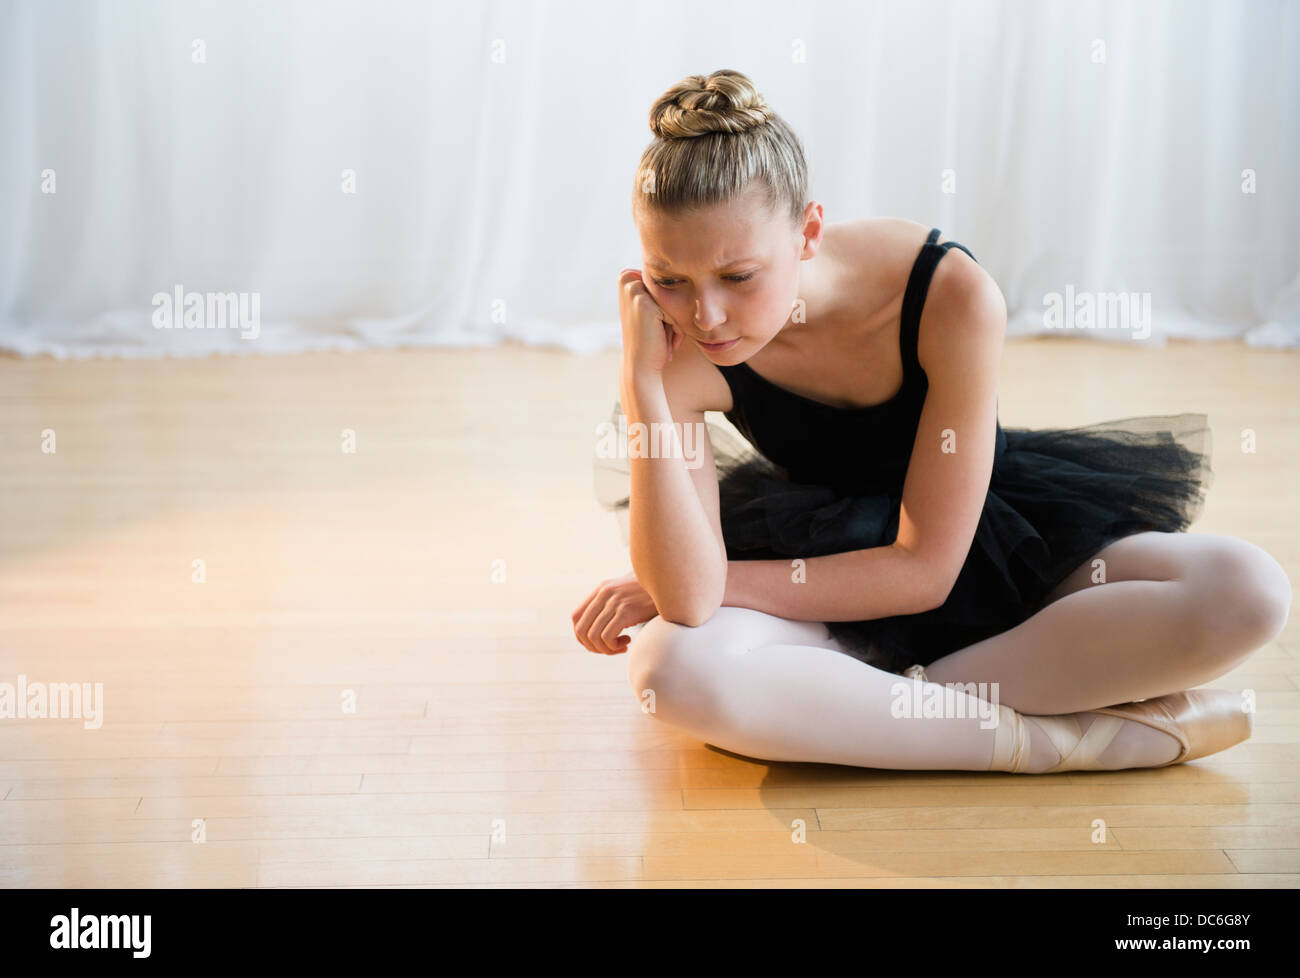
[1091, 146]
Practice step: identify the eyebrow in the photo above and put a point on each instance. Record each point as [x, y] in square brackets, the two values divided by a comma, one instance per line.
[731, 264]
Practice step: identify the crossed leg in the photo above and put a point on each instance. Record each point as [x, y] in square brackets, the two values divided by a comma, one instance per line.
[1150, 614]
[1176, 611]
[1169, 611]
[782, 690]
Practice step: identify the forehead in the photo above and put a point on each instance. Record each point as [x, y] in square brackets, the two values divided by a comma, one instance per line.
[707, 240]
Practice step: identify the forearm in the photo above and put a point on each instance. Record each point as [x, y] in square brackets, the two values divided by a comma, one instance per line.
[853, 586]
[674, 552]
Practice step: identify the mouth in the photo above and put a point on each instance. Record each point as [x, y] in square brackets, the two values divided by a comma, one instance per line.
[718, 347]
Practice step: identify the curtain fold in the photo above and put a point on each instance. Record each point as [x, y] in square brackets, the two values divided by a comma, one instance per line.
[448, 174]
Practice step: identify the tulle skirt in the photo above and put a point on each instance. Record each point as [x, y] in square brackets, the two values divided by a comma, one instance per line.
[1056, 497]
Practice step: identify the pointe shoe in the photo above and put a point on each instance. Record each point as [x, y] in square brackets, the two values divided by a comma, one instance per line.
[1203, 721]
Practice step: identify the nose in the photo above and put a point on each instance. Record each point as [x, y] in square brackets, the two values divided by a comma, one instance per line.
[708, 318]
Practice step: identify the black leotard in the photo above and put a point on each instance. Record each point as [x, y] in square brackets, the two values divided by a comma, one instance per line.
[825, 480]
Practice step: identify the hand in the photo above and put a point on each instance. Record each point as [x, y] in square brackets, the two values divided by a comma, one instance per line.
[649, 339]
[616, 604]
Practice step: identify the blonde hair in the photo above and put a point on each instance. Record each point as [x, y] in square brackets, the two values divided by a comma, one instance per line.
[714, 136]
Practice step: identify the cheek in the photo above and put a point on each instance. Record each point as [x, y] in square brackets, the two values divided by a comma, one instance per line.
[674, 308]
[776, 306]
[663, 299]
[775, 298]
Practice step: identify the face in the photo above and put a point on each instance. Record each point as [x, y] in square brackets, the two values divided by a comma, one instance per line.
[727, 275]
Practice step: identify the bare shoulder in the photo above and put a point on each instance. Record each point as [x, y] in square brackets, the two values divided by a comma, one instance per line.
[964, 314]
[693, 383]
[880, 253]
[873, 257]
[876, 241]
[872, 232]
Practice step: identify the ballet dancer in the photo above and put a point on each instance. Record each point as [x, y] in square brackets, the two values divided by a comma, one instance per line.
[879, 539]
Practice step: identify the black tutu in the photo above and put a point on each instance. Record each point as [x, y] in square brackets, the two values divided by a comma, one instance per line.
[1056, 497]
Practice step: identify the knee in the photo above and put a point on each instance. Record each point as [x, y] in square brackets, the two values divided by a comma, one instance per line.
[1266, 600]
[1244, 599]
[666, 668]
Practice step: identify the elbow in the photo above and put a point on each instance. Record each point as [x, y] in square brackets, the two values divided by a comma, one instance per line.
[932, 581]
[691, 611]
[692, 618]
[691, 614]
[692, 603]
[937, 596]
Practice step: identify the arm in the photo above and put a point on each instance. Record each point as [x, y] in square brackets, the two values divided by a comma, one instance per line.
[675, 534]
[947, 480]
[895, 584]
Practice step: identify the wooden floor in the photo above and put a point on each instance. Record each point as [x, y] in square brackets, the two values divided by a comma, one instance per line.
[432, 574]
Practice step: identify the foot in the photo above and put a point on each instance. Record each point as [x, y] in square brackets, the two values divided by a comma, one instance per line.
[1201, 721]
[1135, 745]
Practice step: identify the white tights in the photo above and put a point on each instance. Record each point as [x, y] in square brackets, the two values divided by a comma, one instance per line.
[1177, 610]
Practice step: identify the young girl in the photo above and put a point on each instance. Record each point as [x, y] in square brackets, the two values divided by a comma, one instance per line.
[880, 520]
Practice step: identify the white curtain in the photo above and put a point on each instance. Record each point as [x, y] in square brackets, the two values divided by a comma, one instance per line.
[421, 173]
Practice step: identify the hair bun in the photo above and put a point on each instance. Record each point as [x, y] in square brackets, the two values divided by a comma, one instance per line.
[725, 101]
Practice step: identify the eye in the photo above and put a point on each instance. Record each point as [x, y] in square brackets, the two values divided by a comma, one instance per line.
[670, 282]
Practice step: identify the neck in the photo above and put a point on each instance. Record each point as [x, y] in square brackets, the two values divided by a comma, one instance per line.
[814, 305]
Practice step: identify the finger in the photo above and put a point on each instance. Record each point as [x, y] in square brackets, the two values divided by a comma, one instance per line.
[583, 611]
[583, 625]
[611, 636]
[589, 626]
[582, 639]
[598, 628]
[597, 633]
[585, 604]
